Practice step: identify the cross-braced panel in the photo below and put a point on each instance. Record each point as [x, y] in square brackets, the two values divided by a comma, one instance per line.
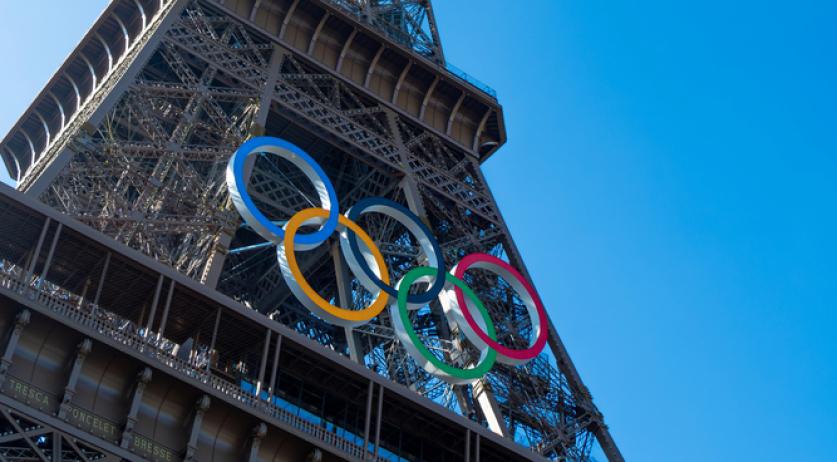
[23, 438]
[152, 174]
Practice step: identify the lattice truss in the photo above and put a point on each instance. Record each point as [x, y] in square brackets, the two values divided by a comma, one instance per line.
[408, 22]
[25, 439]
[152, 175]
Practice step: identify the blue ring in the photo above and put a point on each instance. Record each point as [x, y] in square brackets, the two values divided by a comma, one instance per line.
[438, 284]
[252, 145]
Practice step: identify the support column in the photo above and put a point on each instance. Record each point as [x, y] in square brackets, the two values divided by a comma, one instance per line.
[33, 260]
[266, 98]
[70, 389]
[344, 299]
[275, 370]
[200, 409]
[263, 364]
[143, 378]
[51, 251]
[379, 419]
[165, 319]
[83, 295]
[21, 321]
[368, 420]
[153, 311]
[214, 337]
[105, 268]
[468, 445]
[489, 407]
[258, 434]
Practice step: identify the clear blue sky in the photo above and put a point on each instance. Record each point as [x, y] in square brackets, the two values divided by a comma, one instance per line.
[670, 177]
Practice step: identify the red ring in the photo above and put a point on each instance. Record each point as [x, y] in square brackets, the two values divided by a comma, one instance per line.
[515, 355]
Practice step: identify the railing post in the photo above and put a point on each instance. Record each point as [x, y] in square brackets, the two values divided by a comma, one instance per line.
[165, 319]
[214, 337]
[83, 295]
[344, 298]
[70, 389]
[263, 363]
[200, 408]
[21, 320]
[143, 378]
[277, 350]
[368, 419]
[259, 432]
[154, 303]
[36, 253]
[379, 419]
[102, 279]
[51, 252]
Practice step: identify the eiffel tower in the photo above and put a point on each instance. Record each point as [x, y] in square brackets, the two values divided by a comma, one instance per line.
[144, 320]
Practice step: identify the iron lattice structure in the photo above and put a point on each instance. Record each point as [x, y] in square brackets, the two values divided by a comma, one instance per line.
[408, 22]
[133, 134]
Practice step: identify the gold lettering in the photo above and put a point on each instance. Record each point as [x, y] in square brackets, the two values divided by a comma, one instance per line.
[151, 448]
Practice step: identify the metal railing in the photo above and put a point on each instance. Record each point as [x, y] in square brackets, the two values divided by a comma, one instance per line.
[471, 80]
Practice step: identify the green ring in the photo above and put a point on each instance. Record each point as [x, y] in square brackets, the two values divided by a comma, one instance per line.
[403, 290]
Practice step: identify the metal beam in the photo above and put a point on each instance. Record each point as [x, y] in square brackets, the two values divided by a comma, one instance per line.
[33, 259]
[51, 251]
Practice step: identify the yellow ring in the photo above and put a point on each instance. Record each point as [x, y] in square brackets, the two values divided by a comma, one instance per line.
[365, 314]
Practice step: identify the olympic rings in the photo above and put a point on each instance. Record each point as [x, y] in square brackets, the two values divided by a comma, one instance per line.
[426, 240]
[368, 265]
[413, 344]
[237, 184]
[525, 291]
[307, 295]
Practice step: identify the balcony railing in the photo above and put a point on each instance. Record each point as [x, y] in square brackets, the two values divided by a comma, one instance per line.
[471, 80]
